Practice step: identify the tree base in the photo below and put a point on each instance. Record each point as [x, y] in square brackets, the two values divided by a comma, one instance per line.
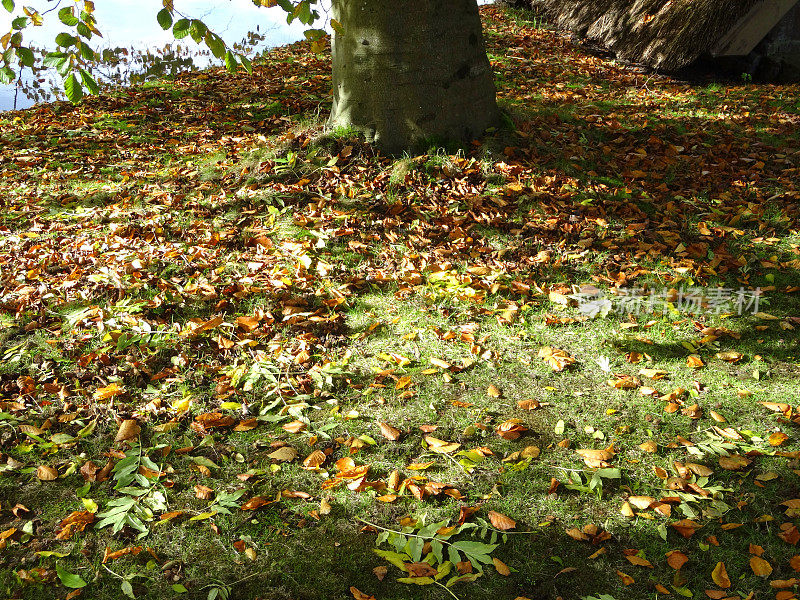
[412, 72]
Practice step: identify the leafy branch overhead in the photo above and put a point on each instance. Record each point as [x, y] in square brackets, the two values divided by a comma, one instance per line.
[75, 57]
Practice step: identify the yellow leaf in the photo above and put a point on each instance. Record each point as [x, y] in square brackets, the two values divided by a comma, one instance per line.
[694, 361]
[501, 567]
[639, 561]
[760, 567]
[110, 391]
[777, 438]
[720, 576]
[649, 446]
[441, 446]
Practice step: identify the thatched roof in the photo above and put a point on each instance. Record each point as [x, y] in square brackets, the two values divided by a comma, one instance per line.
[664, 34]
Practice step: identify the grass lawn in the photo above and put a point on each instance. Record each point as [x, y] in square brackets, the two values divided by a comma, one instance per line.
[240, 355]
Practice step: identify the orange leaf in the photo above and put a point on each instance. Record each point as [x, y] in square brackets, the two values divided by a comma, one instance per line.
[500, 521]
[359, 595]
[626, 579]
[760, 567]
[676, 559]
[777, 438]
[639, 561]
[110, 391]
[511, 429]
[256, 502]
[686, 527]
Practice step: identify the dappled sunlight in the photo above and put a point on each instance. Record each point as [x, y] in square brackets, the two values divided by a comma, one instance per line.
[241, 351]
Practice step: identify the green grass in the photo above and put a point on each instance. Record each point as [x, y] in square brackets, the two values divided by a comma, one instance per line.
[241, 261]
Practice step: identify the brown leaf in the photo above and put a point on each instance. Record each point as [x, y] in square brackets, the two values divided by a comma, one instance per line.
[283, 454]
[720, 576]
[359, 595]
[128, 430]
[639, 561]
[314, 460]
[502, 568]
[500, 521]
[685, 527]
[734, 462]
[626, 579]
[389, 432]
[760, 567]
[76, 521]
[467, 511]
[46, 473]
[420, 569]
[794, 562]
[529, 404]
[493, 391]
[214, 419]
[511, 429]
[203, 492]
[256, 502]
[676, 559]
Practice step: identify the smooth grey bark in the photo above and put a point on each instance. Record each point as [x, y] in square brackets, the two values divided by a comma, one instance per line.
[406, 71]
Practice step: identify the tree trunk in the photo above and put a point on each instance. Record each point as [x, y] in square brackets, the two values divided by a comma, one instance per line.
[411, 72]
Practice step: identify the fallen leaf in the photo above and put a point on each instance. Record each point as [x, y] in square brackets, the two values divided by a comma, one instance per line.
[557, 359]
[733, 462]
[626, 579]
[110, 391]
[493, 391]
[389, 432]
[639, 561]
[760, 566]
[501, 567]
[203, 492]
[441, 446]
[676, 559]
[500, 521]
[777, 438]
[720, 576]
[695, 362]
[283, 454]
[529, 404]
[46, 473]
[128, 430]
[686, 527]
[359, 595]
[511, 429]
